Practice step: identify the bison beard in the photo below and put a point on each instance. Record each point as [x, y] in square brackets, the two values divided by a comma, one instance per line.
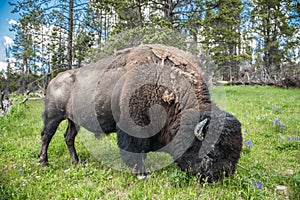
[156, 99]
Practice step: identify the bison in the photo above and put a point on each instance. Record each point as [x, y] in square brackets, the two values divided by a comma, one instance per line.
[155, 98]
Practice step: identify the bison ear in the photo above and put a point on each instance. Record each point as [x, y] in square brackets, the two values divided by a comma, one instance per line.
[198, 131]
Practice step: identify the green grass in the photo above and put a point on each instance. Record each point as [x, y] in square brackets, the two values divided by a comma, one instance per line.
[268, 160]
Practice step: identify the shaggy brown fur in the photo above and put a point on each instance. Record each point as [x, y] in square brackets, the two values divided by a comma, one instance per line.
[153, 96]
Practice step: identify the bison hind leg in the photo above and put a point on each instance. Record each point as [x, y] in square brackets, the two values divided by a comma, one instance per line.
[50, 127]
[133, 151]
[70, 135]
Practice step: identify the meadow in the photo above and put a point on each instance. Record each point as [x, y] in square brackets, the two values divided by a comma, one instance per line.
[269, 167]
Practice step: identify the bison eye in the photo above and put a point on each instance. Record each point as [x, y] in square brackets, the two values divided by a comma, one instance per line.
[198, 131]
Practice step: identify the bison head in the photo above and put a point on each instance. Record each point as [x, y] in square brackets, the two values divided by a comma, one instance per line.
[213, 143]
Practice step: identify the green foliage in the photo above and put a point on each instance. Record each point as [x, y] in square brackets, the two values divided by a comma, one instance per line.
[19, 83]
[289, 143]
[2, 81]
[25, 48]
[82, 46]
[275, 25]
[146, 35]
[234, 33]
[17, 110]
[178, 178]
[269, 161]
[223, 36]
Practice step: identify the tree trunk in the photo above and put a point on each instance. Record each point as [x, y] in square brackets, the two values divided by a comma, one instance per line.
[1, 100]
[140, 14]
[70, 34]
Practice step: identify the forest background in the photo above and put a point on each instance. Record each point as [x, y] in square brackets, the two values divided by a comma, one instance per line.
[245, 41]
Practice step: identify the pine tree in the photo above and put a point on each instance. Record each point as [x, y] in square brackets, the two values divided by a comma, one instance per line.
[221, 29]
[44, 15]
[129, 14]
[99, 21]
[274, 32]
[27, 31]
[82, 45]
[56, 35]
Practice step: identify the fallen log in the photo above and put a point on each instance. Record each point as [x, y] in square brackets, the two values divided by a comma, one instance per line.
[247, 83]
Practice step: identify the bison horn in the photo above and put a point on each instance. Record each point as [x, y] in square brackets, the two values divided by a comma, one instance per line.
[198, 131]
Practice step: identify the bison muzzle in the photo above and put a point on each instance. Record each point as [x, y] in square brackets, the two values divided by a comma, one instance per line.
[155, 98]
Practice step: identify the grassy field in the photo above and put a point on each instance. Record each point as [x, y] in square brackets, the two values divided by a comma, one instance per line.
[270, 120]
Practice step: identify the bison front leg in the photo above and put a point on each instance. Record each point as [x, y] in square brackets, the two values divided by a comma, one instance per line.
[70, 135]
[133, 152]
[50, 127]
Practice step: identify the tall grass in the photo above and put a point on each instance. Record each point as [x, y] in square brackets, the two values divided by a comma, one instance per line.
[270, 120]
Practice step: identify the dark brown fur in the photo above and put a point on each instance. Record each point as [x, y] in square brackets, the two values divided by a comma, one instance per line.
[96, 97]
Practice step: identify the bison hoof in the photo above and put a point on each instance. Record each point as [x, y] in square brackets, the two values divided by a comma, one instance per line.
[75, 162]
[141, 177]
[44, 163]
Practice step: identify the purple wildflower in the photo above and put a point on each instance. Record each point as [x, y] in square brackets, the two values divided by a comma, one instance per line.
[248, 143]
[278, 123]
[289, 138]
[281, 138]
[297, 138]
[258, 184]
